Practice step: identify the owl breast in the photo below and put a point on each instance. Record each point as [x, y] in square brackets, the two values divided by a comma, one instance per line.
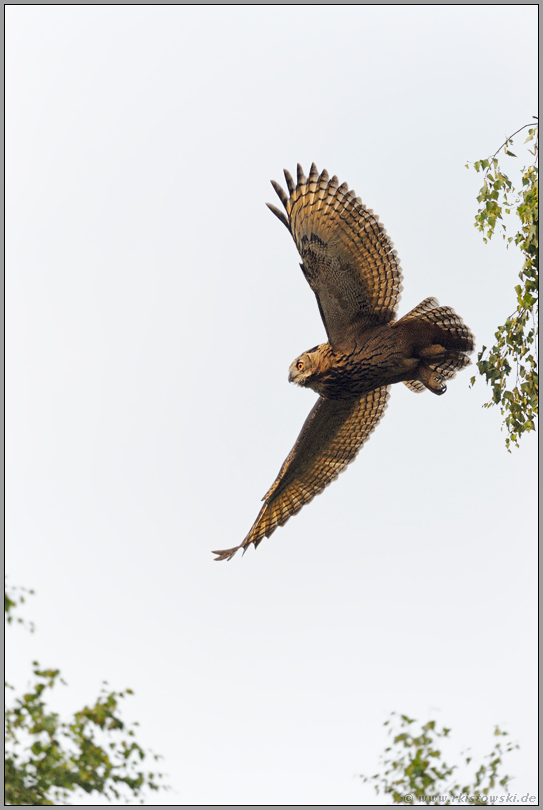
[377, 358]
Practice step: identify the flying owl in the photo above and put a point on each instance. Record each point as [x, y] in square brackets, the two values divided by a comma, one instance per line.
[351, 266]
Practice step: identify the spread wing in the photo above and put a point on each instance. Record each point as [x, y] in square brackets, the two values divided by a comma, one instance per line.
[348, 259]
[332, 435]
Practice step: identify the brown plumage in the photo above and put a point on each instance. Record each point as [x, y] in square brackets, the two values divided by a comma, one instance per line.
[351, 266]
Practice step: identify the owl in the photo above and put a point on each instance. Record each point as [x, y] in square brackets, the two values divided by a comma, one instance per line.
[351, 266]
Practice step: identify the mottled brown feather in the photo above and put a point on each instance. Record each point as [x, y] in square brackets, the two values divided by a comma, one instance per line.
[330, 439]
[452, 324]
[348, 259]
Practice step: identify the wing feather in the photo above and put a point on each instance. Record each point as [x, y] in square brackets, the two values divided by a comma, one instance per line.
[290, 182]
[348, 258]
[330, 439]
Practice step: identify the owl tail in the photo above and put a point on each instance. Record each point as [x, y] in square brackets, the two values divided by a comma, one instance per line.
[442, 343]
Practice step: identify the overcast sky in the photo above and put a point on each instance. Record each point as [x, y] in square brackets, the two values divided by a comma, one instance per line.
[154, 306]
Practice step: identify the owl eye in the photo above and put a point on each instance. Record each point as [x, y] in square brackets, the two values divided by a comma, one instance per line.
[299, 365]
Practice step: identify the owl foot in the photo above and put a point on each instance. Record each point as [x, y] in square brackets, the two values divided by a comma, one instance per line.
[432, 381]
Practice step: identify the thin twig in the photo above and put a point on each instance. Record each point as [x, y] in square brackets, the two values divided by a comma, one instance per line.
[511, 136]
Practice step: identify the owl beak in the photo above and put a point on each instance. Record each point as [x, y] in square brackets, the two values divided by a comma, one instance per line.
[293, 374]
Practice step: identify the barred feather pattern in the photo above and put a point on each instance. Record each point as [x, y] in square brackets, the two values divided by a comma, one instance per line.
[415, 386]
[348, 258]
[446, 319]
[330, 439]
[454, 331]
[376, 361]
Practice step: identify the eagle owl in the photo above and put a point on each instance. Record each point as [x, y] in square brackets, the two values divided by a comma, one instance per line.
[351, 266]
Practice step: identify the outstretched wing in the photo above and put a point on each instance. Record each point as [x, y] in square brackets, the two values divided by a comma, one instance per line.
[348, 259]
[332, 435]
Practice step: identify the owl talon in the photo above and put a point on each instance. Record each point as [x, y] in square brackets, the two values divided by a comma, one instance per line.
[432, 381]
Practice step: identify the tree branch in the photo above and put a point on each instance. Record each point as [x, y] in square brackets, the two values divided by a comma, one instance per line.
[513, 135]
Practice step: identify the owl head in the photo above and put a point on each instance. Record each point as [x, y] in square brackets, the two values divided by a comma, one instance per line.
[302, 370]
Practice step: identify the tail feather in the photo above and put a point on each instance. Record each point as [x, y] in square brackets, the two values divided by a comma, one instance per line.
[447, 344]
[415, 386]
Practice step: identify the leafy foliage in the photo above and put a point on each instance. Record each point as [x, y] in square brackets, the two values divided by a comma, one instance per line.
[515, 349]
[47, 758]
[414, 770]
[11, 600]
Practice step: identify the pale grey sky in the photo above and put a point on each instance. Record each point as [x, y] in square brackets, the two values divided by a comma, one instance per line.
[153, 307]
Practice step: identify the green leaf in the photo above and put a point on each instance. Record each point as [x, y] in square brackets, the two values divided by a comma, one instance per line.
[48, 758]
[506, 362]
